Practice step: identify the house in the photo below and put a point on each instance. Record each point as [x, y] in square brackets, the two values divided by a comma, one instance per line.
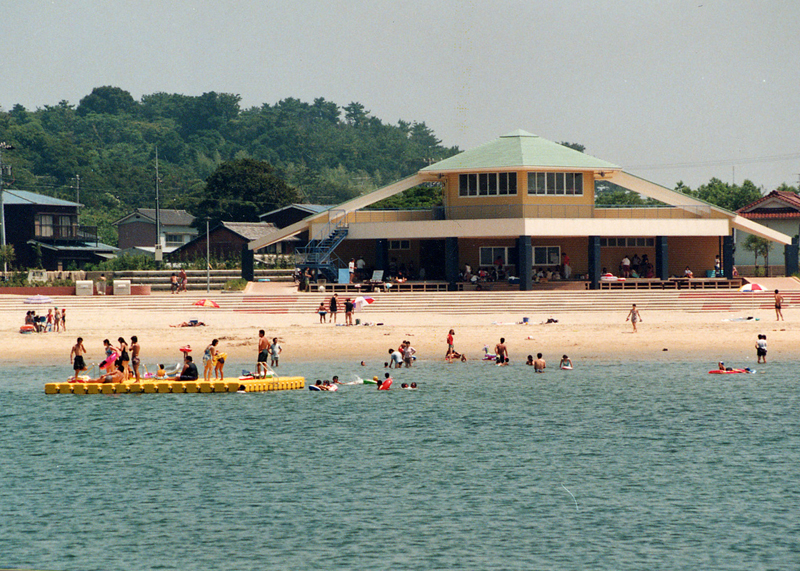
[521, 201]
[779, 210]
[288, 215]
[38, 225]
[137, 230]
[227, 238]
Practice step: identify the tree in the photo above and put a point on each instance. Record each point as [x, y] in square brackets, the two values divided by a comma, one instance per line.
[576, 146]
[7, 256]
[722, 194]
[760, 247]
[240, 190]
[107, 99]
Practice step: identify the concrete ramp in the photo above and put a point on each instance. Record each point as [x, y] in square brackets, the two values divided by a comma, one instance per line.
[782, 283]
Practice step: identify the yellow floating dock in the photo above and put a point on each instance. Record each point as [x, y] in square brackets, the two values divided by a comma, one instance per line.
[170, 386]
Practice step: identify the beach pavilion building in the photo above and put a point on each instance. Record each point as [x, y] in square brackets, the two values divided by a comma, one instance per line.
[522, 202]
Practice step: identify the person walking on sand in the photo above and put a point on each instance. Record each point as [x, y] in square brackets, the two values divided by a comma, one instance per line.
[450, 343]
[184, 281]
[778, 304]
[502, 352]
[634, 317]
[334, 307]
[263, 354]
[135, 360]
[76, 358]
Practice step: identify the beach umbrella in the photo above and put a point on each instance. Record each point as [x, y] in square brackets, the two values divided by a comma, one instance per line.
[363, 300]
[752, 287]
[39, 299]
[206, 303]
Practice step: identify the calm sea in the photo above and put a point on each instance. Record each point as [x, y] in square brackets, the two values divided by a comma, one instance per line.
[614, 466]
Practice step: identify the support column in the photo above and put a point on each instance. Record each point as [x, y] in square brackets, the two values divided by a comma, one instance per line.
[790, 261]
[525, 263]
[727, 256]
[594, 262]
[662, 258]
[248, 257]
[451, 263]
[382, 255]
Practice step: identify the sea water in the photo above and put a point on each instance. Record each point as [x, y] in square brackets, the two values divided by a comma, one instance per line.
[609, 466]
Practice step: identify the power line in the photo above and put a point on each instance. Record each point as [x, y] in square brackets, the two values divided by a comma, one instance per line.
[723, 162]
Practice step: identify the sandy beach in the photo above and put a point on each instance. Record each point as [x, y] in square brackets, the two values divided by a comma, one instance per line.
[662, 336]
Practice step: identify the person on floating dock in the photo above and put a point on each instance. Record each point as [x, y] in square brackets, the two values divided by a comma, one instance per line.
[263, 354]
[189, 372]
[208, 359]
[124, 359]
[76, 357]
[135, 360]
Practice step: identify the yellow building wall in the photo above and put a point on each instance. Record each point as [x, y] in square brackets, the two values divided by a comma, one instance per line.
[452, 198]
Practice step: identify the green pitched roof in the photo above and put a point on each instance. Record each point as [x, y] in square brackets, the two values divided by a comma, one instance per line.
[519, 149]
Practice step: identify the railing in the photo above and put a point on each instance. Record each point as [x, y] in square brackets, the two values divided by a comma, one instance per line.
[494, 211]
[67, 233]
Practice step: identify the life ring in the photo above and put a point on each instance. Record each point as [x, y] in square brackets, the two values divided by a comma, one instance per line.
[110, 361]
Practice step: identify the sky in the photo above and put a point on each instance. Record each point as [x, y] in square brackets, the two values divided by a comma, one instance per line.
[671, 90]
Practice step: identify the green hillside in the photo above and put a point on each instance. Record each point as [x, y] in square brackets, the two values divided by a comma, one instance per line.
[104, 149]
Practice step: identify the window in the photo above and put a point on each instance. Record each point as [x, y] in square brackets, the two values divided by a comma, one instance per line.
[173, 238]
[487, 184]
[627, 242]
[399, 245]
[489, 254]
[546, 255]
[556, 183]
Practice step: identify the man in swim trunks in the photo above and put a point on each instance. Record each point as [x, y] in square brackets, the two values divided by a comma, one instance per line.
[76, 358]
[135, 361]
[263, 354]
[502, 352]
[778, 304]
[539, 364]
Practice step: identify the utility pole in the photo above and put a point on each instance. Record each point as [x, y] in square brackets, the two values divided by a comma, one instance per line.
[78, 192]
[158, 254]
[7, 147]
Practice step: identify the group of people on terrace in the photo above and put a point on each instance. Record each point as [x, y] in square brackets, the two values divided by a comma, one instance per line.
[636, 267]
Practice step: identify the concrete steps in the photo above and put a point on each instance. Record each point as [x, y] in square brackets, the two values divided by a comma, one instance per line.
[520, 303]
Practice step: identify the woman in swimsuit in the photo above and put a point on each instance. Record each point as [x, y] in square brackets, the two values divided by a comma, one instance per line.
[208, 359]
[124, 358]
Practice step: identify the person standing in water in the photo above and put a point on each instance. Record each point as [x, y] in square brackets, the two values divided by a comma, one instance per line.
[502, 352]
[634, 317]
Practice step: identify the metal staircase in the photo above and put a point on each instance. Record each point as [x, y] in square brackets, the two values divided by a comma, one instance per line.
[318, 253]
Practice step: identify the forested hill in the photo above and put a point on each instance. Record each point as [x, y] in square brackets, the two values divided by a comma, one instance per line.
[106, 145]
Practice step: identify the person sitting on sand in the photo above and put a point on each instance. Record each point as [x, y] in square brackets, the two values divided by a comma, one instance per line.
[191, 323]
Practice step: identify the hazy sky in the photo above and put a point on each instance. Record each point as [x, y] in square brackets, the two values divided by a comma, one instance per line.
[669, 89]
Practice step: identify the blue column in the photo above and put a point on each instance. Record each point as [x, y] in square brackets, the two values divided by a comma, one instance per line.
[594, 262]
[662, 258]
[727, 256]
[790, 257]
[525, 263]
[248, 272]
[451, 270]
